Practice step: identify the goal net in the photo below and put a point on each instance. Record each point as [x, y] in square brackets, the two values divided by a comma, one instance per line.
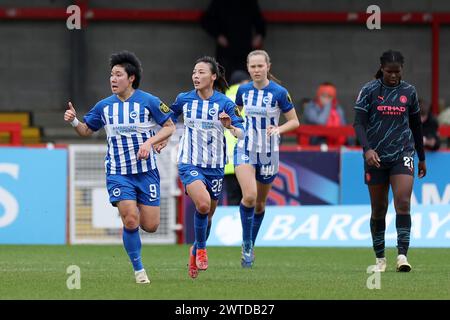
[93, 219]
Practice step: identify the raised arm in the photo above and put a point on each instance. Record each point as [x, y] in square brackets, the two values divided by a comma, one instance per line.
[71, 116]
[315, 115]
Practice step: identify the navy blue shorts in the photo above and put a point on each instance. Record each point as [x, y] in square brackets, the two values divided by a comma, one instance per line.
[374, 175]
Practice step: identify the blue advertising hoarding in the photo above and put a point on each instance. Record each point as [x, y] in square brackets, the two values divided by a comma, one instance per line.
[434, 188]
[33, 196]
[330, 226]
[304, 178]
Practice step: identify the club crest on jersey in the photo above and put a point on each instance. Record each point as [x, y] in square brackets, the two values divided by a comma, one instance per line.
[212, 112]
[164, 108]
[403, 99]
[133, 115]
[266, 100]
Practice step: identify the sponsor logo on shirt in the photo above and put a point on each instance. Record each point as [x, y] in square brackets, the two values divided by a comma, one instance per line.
[200, 124]
[123, 129]
[391, 110]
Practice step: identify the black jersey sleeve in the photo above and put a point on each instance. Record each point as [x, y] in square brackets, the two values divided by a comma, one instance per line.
[360, 126]
[416, 128]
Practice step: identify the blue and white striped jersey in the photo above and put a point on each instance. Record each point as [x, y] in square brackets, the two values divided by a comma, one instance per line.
[203, 142]
[128, 125]
[262, 108]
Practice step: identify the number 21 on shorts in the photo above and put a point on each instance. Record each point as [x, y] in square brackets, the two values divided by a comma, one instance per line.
[408, 162]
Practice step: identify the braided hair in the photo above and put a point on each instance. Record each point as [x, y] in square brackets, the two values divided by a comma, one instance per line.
[389, 57]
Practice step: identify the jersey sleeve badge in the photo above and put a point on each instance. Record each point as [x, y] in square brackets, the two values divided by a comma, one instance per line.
[164, 108]
[237, 112]
[288, 96]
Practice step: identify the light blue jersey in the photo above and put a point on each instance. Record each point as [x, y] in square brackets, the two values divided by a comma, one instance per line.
[128, 125]
[203, 141]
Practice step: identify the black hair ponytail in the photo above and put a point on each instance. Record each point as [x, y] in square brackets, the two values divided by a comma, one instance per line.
[220, 84]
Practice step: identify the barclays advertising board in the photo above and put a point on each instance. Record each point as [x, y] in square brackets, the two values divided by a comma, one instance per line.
[33, 196]
[331, 226]
[434, 188]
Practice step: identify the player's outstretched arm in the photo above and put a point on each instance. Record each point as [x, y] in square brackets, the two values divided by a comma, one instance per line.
[71, 116]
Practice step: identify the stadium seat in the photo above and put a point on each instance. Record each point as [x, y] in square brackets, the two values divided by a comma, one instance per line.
[24, 118]
[30, 134]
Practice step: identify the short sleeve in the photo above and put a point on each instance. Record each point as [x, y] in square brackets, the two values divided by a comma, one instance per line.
[233, 111]
[159, 111]
[285, 101]
[93, 118]
[177, 108]
[363, 100]
[238, 99]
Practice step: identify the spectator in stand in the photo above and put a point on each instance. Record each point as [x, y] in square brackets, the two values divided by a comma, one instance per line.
[325, 110]
[444, 117]
[238, 27]
[444, 120]
[431, 140]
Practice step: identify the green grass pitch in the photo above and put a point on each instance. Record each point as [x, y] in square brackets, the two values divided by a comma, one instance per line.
[39, 272]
